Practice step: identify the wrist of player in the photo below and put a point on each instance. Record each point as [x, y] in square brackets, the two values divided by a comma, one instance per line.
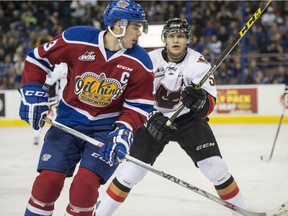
[34, 104]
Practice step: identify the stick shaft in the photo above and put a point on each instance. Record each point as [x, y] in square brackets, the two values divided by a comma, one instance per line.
[277, 132]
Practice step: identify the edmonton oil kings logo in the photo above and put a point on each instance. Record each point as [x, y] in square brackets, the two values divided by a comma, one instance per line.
[97, 90]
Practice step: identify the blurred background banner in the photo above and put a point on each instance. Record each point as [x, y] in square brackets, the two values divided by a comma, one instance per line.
[237, 100]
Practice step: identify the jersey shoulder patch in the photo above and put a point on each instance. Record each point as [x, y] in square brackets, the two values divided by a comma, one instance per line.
[197, 57]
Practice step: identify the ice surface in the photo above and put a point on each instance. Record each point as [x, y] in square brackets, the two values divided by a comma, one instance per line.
[264, 185]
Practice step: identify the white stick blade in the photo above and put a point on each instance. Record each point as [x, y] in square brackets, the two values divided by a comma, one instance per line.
[265, 158]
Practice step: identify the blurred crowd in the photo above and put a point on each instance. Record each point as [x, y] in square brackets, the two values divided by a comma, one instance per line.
[259, 58]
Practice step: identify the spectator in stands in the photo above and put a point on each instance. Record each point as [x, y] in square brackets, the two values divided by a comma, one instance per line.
[224, 75]
[199, 44]
[6, 68]
[155, 12]
[248, 79]
[28, 18]
[17, 72]
[223, 35]
[261, 78]
[224, 16]
[281, 76]
[268, 18]
[253, 66]
[2, 54]
[215, 45]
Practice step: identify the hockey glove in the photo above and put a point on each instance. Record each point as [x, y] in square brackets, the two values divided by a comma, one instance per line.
[118, 145]
[34, 104]
[193, 98]
[286, 96]
[156, 125]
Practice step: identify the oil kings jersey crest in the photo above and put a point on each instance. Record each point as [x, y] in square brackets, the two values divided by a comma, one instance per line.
[96, 90]
[171, 78]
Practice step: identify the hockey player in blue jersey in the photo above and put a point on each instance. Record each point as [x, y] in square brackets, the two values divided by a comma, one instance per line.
[108, 95]
[176, 68]
[56, 82]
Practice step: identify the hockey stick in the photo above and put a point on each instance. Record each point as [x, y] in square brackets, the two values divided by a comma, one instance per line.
[275, 139]
[280, 211]
[224, 54]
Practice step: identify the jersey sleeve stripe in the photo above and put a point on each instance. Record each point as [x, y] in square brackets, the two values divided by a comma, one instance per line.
[143, 109]
[37, 62]
[142, 101]
[44, 61]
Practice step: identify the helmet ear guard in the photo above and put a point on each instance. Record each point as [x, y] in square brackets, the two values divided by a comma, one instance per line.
[126, 11]
[175, 25]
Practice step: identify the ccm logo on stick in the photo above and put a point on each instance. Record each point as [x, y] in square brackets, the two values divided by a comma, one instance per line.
[206, 145]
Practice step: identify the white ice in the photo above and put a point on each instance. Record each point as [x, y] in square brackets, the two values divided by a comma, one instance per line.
[264, 185]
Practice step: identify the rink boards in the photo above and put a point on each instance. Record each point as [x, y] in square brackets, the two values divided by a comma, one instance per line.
[235, 104]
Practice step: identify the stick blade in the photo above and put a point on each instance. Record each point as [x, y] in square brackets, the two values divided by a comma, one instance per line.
[280, 211]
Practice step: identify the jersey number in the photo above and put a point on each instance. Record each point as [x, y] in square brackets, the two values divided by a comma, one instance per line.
[49, 45]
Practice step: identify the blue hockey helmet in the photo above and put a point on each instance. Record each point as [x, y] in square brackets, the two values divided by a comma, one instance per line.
[125, 11]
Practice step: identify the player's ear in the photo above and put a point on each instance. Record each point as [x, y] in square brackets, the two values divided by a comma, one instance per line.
[117, 27]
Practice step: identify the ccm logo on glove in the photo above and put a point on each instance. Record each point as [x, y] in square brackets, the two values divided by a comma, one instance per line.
[37, 94]
[34, 104]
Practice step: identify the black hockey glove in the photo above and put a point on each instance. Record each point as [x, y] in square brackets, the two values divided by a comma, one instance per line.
[156, 125]
[193, 98]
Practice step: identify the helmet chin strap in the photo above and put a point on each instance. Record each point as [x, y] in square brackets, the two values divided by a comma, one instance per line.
[119, 39]
[124, 24]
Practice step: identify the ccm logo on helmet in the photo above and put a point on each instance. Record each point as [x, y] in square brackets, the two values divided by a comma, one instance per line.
[206, 145]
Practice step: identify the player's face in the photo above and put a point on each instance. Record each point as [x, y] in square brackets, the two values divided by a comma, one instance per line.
[176, 44]
[133, 32]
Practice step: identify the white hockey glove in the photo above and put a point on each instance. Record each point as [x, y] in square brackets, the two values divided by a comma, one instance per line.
[156, 125]
[118, 145]
[34, 104]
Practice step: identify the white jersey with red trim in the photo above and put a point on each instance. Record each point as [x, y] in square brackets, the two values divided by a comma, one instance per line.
[101, 89]
[171, 78]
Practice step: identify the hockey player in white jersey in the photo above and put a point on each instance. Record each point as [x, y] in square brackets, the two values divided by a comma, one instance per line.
[177, 69]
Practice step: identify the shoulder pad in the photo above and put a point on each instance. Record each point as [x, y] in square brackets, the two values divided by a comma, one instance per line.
[81, 34]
